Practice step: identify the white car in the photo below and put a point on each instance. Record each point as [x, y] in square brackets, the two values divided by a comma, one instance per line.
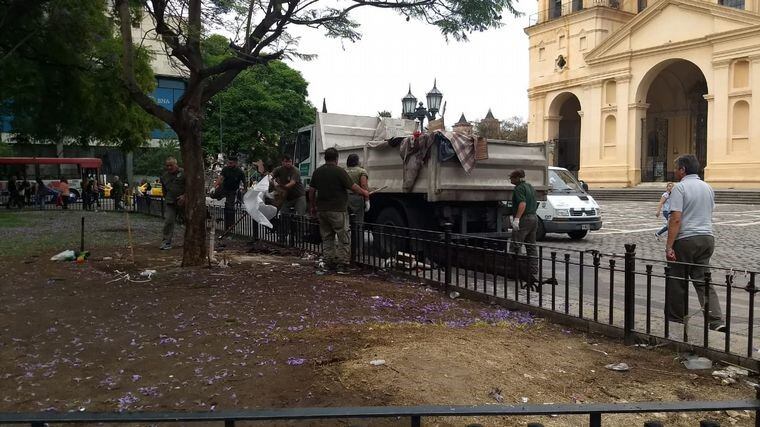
[568, 208]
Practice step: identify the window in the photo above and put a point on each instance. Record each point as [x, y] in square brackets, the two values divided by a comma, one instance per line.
[741, 74]
[541, 53]
[642, 5]
[610, 92]
[562, 41]
[582, 44]
[556, 9]
[736, 4]
[560, 63]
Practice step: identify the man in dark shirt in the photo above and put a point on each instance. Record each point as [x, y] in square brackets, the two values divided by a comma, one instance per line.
[117, 193]
[288, 180]
[232, 176]
[328, 196]
[524, 221]
[173, 186]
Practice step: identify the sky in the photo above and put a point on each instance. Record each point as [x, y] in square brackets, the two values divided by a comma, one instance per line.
[373, 74]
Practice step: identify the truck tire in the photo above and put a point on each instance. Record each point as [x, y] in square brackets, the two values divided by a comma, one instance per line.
[540, 230]
[577, 234]
[387, 242]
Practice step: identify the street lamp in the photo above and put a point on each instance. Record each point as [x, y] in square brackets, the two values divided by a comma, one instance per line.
[408, 103]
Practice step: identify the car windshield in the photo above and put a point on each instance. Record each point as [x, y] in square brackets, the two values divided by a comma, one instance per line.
[562, 181]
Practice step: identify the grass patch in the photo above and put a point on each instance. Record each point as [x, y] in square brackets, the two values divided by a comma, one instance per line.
[13, 219]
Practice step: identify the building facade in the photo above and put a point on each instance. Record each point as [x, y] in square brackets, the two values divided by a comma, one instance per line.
[623, 87]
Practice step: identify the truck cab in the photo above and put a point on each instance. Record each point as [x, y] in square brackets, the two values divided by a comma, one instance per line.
[568, 208]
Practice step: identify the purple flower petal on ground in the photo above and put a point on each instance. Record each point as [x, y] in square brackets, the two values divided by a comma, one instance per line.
[127, 400]
[294, 361]
[148, 391]
[136, 378]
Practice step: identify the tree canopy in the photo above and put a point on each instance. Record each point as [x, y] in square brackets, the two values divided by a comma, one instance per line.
[61, 76]
[264, 104]
[261, 36]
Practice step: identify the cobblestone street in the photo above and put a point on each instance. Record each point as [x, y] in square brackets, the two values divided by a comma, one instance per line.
[736, 227]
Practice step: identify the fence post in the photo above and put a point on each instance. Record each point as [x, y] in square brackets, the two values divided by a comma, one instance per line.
[630, 293]
[447, 253]
[353, 236]
[595, 419]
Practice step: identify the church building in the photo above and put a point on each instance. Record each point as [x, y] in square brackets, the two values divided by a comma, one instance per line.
[621, 88]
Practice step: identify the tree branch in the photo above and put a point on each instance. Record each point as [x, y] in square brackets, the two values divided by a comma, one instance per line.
[128, 71]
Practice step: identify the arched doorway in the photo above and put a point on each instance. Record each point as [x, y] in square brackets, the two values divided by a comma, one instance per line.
[676, 120]
[568, 132]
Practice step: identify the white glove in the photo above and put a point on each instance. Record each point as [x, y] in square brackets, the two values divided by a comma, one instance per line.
[515, 224]
[366, 205]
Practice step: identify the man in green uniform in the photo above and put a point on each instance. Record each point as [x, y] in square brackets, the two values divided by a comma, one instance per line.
[359, 176]
[327, 195]
[288, 180]
[173, 185]
[524, 222]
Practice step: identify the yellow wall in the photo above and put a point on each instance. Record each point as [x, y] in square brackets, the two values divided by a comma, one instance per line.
[632, 50]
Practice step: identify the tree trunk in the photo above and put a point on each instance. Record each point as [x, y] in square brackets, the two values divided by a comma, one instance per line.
[194, 250]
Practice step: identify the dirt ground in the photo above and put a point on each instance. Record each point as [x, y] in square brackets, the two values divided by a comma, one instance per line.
[267, 332]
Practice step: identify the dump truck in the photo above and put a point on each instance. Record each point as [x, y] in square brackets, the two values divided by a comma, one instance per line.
[475, 203]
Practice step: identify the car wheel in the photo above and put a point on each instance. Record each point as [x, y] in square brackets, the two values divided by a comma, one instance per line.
[578, 234]
[388, 241]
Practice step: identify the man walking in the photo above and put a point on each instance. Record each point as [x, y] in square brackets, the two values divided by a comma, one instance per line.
[288, 180]
[232, 176]
[117, 192]
[524, 224]
[691, 241]
[173, 185]
[327, 195]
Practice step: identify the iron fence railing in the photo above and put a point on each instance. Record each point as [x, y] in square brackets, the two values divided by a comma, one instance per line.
[623, 294]
[619, 294]
[559, 9]
[415, 414]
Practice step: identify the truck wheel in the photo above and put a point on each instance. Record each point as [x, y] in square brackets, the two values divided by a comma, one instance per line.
[388, 241]
[578, 234]
[540, 230]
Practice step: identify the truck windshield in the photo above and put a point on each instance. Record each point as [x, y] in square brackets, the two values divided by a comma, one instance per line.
[562, 182]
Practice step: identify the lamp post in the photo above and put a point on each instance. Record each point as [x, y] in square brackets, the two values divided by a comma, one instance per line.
[408, 103]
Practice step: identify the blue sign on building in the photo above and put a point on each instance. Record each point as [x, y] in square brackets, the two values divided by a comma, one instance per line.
[166, 95]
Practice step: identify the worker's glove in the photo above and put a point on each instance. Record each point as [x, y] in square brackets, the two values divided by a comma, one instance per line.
[515, 224]
[366, 206]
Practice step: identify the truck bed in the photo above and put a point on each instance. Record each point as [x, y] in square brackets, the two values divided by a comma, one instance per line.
[438, 182]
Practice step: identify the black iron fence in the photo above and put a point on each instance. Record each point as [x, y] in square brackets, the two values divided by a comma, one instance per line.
[645, 301]
[415, 414]
[618, 294]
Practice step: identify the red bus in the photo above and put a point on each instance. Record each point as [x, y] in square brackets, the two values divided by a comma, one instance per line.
[50, 169]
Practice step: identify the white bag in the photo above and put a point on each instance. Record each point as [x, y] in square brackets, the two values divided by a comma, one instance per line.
[253, 200]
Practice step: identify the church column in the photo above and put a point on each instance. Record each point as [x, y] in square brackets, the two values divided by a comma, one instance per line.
[591, 127]
[718, 122]
[637, 114]
[627, 149]
[551, 133]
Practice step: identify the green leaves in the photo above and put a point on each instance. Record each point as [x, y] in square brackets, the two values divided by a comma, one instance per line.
[263, 104]
[60, 70]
